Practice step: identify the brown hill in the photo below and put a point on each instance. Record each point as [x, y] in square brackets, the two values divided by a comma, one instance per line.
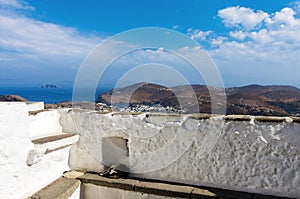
[250, 100]
[269, 93]
[267, 100]
[12, 98]
[142, 93]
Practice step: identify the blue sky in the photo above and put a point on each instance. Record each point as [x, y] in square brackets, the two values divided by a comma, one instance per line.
[252, 42]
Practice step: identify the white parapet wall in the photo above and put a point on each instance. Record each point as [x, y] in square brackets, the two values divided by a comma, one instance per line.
[35, 106]
[44, 123]
[244, 153]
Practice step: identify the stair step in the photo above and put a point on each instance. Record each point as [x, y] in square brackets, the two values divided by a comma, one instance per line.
[54, 142]
[161, 189]
[52, 138]
[154, 188]
[62, 188]
[48, 144]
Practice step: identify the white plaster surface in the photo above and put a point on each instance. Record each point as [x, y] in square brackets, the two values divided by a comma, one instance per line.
[76, 194]
[18, 180]
[87, 153]
[90, 191]
[240, 160]
[35, 106]
[14, 143]
[44, 123]
[258, 157]
[44, 172]
[39, 150]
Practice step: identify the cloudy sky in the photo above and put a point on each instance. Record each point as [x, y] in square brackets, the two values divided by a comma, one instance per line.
[251, 41]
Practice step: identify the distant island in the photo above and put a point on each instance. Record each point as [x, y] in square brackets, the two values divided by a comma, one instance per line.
[48, 86]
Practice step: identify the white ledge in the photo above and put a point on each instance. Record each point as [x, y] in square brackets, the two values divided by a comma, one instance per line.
[48, 144]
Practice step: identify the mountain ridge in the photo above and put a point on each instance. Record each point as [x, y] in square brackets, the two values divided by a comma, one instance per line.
[252, 99]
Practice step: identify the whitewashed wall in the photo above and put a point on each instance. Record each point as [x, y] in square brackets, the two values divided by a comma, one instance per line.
[44, 123]
[259, 157]
[91, 191]
[254, 154]
[18, 180]
[35, 106]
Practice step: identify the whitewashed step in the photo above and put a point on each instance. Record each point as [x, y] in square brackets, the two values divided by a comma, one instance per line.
[48, 144]
[61, 188]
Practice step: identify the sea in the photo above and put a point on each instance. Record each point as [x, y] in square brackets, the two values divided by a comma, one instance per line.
[47, 95]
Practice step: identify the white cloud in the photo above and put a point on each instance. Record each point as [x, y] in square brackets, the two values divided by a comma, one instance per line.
[242, 17]
[284, 19]
[39, 47]
[296, 6]
[218, 41]
[23, 37]
[26, 35]
[240, 35]
[175, 27]
[260, 47]
[18, 4]
[198, 34]
[12, 3]
[281, 28]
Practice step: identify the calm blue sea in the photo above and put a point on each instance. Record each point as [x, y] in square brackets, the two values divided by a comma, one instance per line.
[47, 95]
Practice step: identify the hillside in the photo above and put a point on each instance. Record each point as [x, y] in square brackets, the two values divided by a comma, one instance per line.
[250, 100]
[12, 98]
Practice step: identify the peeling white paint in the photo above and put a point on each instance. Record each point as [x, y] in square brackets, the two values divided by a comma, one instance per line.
[263, 139]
